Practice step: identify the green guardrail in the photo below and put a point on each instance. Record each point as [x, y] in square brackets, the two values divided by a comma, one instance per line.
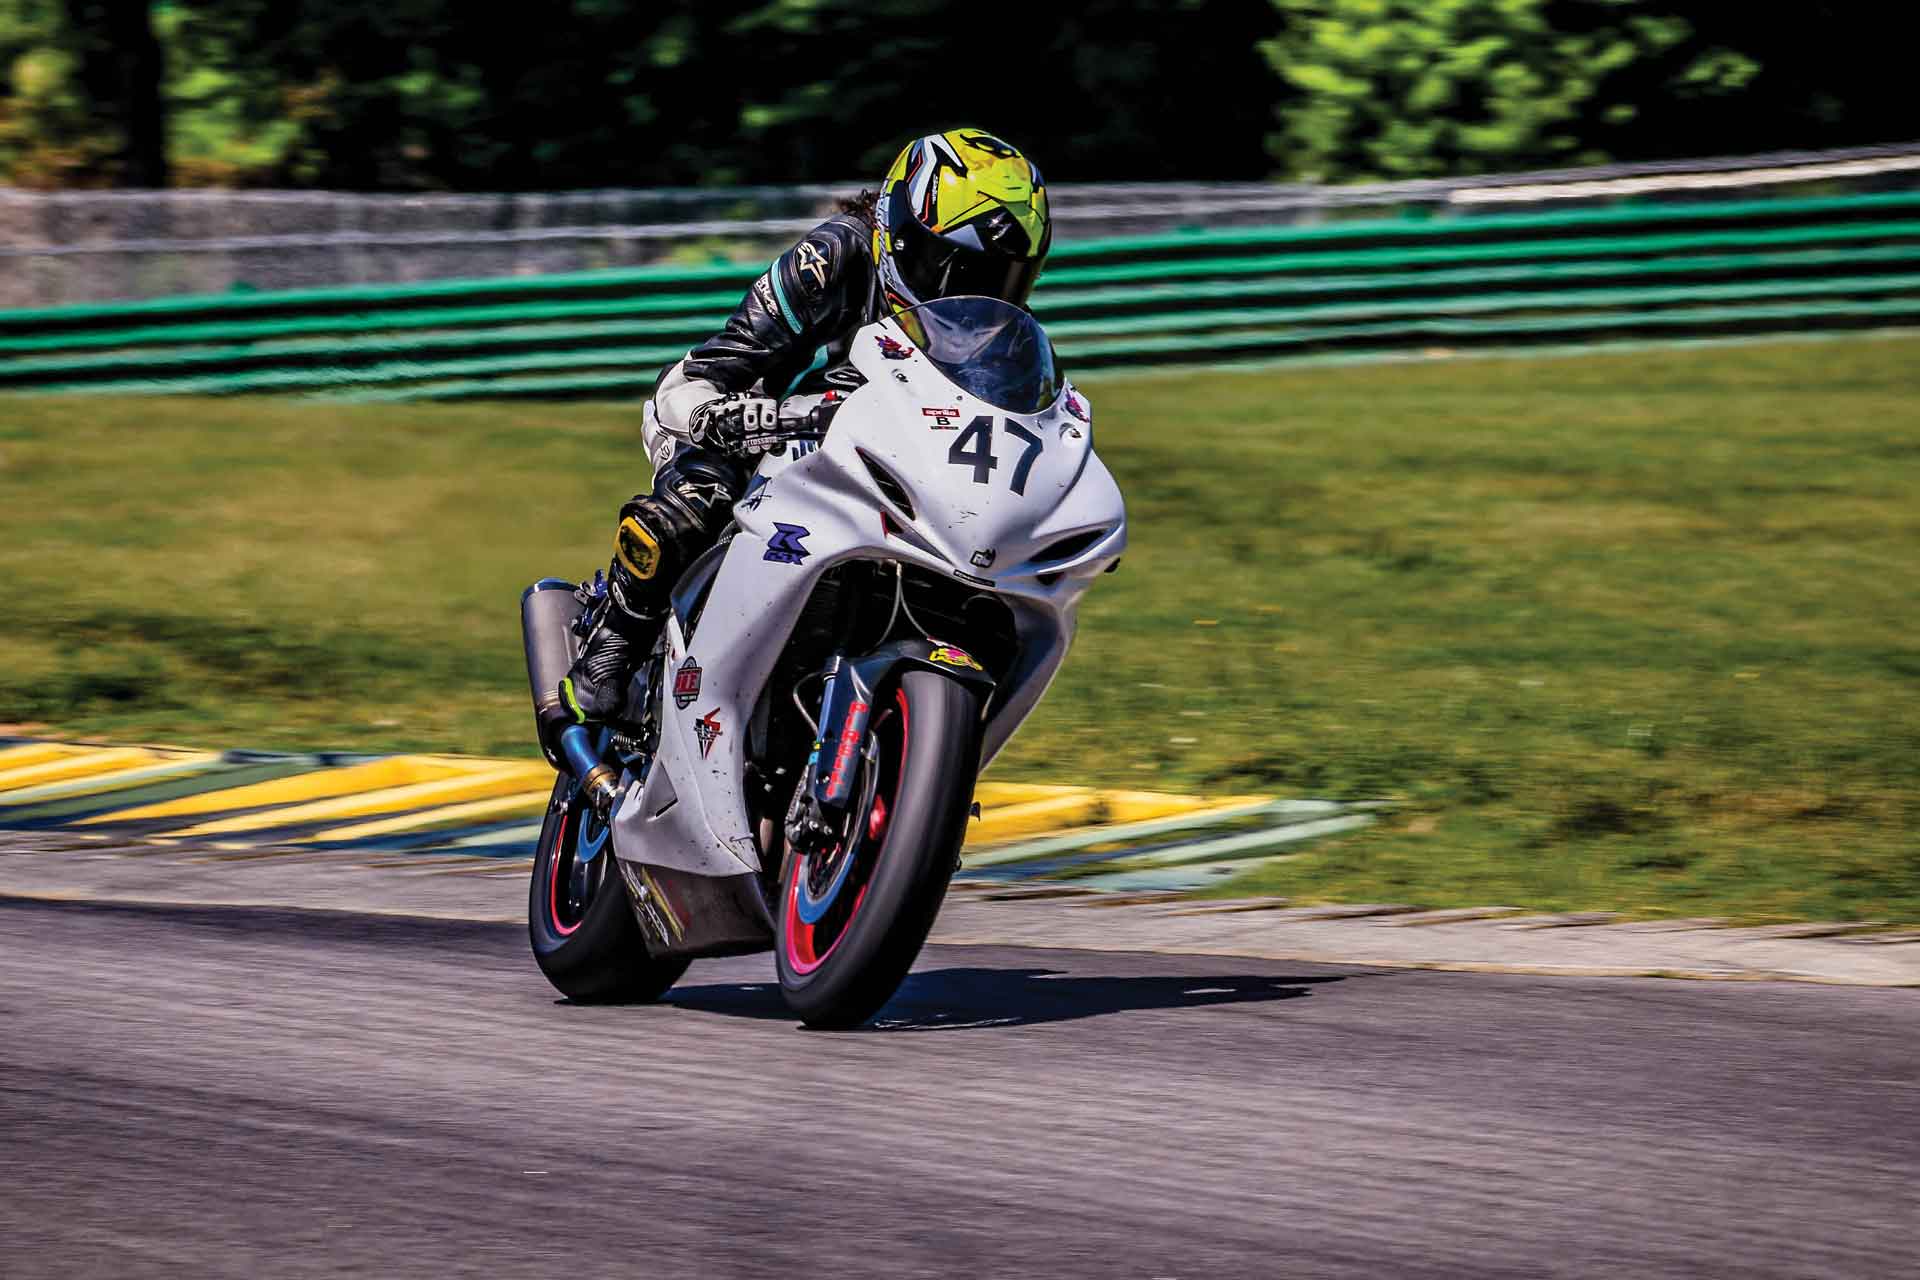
[1364, 284]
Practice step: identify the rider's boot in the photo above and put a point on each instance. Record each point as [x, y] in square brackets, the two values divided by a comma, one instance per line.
[658, 536]
[596, 684]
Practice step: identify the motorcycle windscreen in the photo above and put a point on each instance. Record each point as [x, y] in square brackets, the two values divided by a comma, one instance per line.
[993, 350]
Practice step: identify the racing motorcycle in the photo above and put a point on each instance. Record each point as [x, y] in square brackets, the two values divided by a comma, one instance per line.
[794, 765]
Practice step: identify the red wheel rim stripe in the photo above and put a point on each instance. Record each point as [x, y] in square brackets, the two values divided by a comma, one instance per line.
[553, 881]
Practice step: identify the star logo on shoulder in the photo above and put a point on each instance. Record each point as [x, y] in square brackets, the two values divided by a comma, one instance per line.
[810, 261]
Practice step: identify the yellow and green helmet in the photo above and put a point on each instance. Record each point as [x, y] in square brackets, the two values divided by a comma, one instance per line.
[960, 212]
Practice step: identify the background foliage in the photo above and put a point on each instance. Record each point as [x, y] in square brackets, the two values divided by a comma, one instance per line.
[1418, 88]
[553, 94]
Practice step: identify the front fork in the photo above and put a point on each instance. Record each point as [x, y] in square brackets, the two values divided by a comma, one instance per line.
[840, 729]
[830, 785]
[833, 770]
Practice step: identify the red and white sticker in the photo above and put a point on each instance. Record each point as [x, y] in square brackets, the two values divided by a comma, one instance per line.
[707, 729]
[686, 683]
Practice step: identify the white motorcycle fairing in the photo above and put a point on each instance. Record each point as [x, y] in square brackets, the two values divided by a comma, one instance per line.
[914, 470]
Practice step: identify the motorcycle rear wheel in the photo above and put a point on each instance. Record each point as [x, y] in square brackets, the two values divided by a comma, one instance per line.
[873, 900]
[584, 936]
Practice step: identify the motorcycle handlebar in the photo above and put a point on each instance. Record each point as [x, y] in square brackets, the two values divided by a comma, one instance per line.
[812, 423]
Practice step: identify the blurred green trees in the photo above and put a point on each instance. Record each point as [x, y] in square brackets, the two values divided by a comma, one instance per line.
[1424, 88]
[438, 94]
[80, 93]
[1420, 88]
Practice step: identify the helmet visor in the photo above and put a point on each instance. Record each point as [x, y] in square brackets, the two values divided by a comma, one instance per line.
[935, 267]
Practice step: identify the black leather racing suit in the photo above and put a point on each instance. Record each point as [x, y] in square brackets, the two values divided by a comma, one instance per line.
[816, 294]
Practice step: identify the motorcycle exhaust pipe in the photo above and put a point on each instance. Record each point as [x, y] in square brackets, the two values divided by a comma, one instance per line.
[548, 610]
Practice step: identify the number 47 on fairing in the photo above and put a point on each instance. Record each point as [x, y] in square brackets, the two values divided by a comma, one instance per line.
[973, 447]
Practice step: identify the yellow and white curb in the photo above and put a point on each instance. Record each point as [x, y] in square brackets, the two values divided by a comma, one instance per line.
[406, 805]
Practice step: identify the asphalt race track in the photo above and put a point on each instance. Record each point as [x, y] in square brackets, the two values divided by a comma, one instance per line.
[266, 1093]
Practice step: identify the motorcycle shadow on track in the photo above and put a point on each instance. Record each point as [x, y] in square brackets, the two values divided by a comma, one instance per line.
[982, 999]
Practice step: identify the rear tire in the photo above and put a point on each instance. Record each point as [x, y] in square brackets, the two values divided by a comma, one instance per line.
[584, 936]
[928, 758]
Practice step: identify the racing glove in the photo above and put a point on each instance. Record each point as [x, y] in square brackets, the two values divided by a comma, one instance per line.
[740, 424]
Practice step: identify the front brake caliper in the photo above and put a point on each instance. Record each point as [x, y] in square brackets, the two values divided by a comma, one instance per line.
[808, 829]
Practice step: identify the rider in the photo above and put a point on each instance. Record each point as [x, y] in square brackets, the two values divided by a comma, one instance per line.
[960, 212]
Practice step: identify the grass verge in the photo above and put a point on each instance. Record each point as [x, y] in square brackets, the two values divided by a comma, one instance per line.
[1623, 630]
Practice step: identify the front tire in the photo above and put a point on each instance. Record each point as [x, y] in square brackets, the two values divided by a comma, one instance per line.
[584, 936]
[873, 902]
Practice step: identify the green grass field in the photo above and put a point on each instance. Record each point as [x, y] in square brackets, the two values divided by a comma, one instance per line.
[1621, 630]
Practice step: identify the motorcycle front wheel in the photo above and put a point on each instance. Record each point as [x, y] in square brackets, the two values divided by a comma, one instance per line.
[854, 917]
[584, 936]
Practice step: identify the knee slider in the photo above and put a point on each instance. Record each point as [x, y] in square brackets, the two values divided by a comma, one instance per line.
[641, 546]
[650, 548]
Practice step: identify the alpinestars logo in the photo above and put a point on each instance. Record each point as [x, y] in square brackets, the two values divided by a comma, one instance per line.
[813, 263]
[686, 683]
[707, 729]
[702, 496]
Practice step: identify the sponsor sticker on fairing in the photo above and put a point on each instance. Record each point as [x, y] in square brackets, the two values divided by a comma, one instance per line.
[953, 656]
[785, 547]
[707, 730]
[686, 683]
